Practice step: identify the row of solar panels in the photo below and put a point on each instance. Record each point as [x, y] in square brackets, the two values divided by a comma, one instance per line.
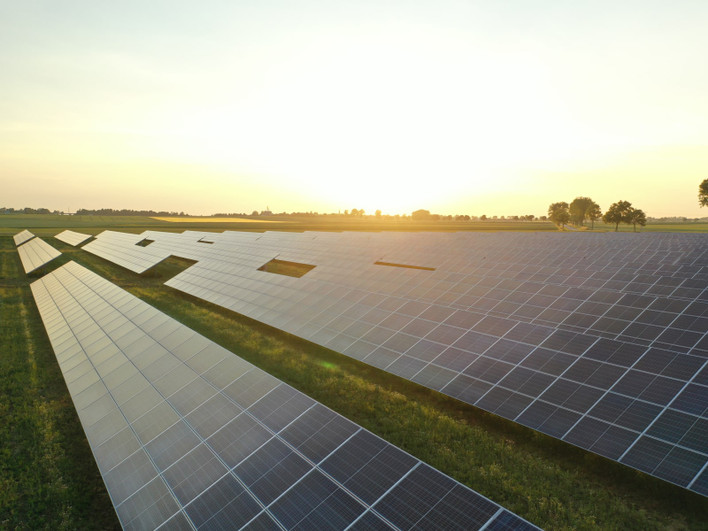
[187, 435]
[35, 252]
[600, 340]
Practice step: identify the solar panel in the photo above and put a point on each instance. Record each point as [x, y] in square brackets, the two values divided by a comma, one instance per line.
[22, 237]
[185, 434]
[36, 253]
[122, 249]
[72, 238]
[549, 330]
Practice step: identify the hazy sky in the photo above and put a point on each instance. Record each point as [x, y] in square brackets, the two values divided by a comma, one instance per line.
[471, 107]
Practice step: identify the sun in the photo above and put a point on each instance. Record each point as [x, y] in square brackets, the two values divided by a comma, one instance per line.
[391, 127]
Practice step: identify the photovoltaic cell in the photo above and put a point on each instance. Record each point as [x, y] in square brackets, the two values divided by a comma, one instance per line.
[187, 435]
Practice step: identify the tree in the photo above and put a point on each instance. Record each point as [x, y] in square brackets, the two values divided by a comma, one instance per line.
[559, 214]
[619, 212]
[578, 210]
[582, 208]
[703, 193]
[421, 214]
[593, 214]
[638, 217]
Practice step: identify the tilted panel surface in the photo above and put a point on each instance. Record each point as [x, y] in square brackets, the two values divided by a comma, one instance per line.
[72, 238]
[187, 434]
[600, 340]
[35, 253]
[122, 249]
[22, 237]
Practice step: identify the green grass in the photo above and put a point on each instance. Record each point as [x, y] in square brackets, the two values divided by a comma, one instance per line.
[48, 478]
[284, 267]
[54, 482]
[676, 227]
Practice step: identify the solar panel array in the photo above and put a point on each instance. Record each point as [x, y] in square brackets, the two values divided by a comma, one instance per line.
[72, 238]
[597, 339]
[187, 435]
[22, 237]
[36, 253]
[122, 249]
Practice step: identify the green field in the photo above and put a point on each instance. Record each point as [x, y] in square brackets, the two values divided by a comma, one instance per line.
[49, 225]
[48, 479]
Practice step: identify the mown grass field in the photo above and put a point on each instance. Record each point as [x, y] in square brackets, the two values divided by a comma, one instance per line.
[48, 479]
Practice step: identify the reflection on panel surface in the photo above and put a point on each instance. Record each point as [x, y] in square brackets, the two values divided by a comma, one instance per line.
[72, 238]
[22, 237]
[598, 339]
[122, 249]
[36, 253]
[185, 434]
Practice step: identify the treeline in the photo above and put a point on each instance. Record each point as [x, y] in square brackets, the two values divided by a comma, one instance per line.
[127, 212]
[28, 210]
[418, 215]
[94, 212]
[677, 219]
[583, 209]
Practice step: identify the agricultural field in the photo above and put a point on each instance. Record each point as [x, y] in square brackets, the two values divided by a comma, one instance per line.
[48, 478]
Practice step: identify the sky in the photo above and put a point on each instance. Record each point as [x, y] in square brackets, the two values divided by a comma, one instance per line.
[458, 107]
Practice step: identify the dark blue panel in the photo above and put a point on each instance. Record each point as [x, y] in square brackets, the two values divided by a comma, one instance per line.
[614, 442]
[238, 439]
[507, 521]
[586, 432]
[370, 522]
[536, 414]
[271, 470]
[559, 422]
[662, 390]
[466, 388]
[646, 454]
[509, 351]
[696, 437]
[672, 425]
[379, 474]
[410, 500]
[280, 407]
[680, 466]
[313, 498]
[224, 504]
[610, 407]
[638, 415]
[693, 399]
[489, 370]
[455, 359]
[459, 509]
